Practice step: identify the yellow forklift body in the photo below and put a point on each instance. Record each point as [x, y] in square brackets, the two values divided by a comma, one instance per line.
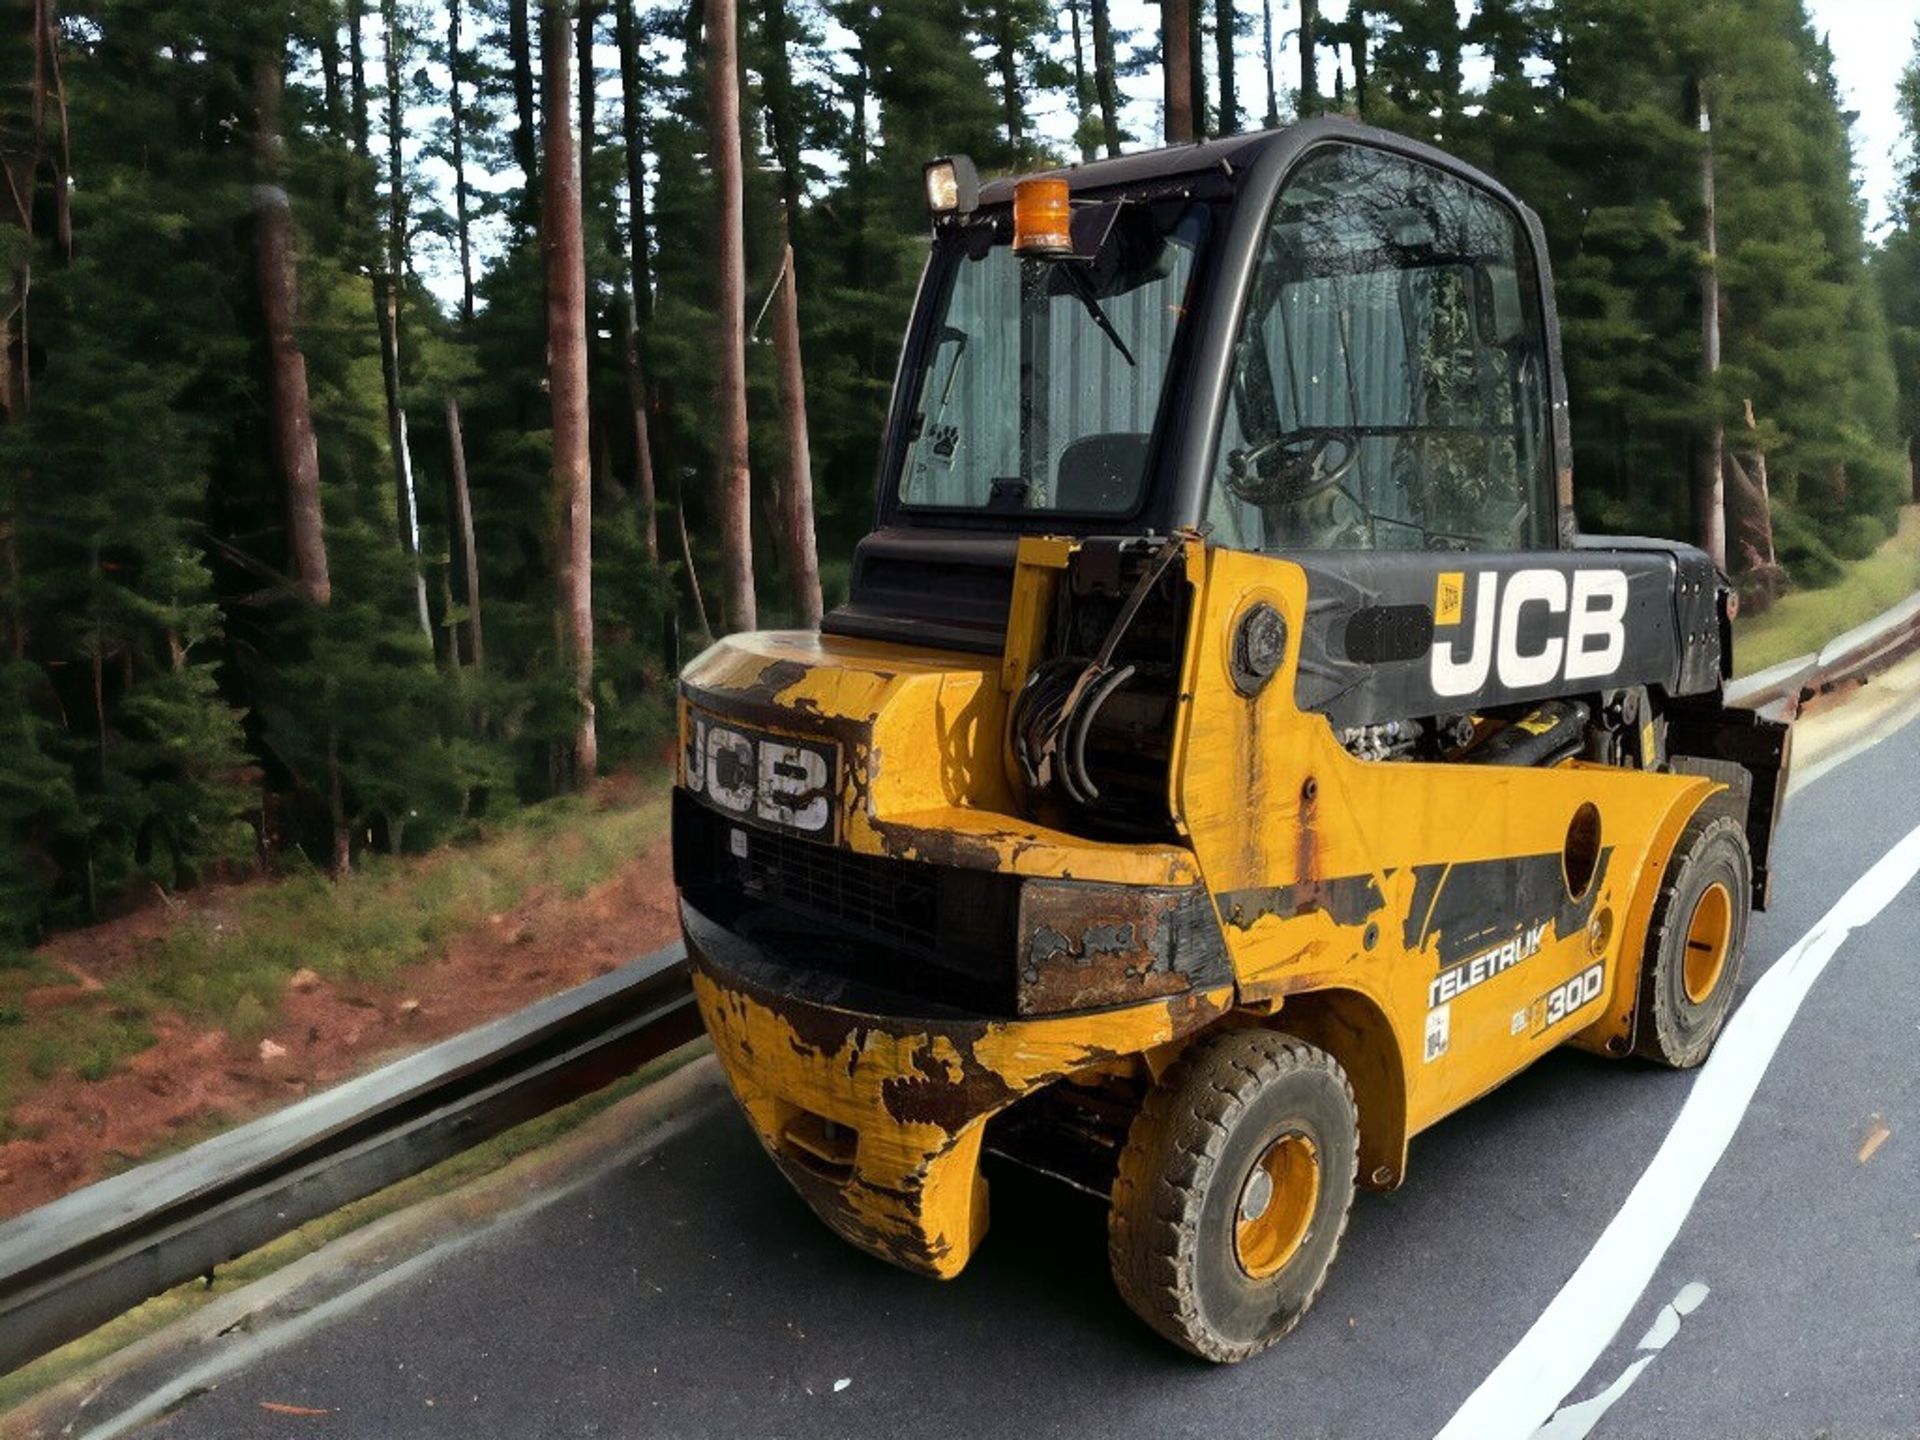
[1436, 927]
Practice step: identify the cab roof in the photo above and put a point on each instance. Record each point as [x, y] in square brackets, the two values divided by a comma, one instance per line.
[1229, 156]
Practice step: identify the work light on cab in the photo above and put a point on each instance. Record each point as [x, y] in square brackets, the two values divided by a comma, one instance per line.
[953, 186]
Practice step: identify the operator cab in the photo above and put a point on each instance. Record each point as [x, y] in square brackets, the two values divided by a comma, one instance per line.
[1325, 338]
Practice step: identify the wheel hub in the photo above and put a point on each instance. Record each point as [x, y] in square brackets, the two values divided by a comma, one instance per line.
[1708, 934]
[1277, 1201]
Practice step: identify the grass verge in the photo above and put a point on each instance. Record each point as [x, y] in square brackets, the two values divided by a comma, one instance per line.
[1804, 620]
[227, 965]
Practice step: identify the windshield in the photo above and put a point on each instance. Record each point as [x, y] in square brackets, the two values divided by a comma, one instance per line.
[1043, 381]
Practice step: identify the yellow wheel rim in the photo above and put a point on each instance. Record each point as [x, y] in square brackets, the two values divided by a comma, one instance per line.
[1277, 1202]
[1707, 936]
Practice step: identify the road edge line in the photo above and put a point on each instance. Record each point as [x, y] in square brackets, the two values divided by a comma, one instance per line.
[1535, 1377]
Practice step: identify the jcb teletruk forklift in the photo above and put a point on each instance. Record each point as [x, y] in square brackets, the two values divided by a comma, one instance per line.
[1230, 759]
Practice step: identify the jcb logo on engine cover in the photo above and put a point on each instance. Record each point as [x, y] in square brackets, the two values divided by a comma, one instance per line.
[784, 782]
[1529, 629]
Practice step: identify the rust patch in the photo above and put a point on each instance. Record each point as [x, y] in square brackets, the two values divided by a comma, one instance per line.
[943, 847]
[1348, 899]
[949, 1093]
[755, 705]
[1086, 946]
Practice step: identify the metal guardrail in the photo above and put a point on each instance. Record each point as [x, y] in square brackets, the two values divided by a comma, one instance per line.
[81, 1260]
[1849, 658]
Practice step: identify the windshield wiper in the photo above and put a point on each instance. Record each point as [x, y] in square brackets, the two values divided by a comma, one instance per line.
[1077, 277]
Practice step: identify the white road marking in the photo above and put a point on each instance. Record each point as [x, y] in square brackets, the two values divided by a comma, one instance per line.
[1576, 1422]
[1579, 1323]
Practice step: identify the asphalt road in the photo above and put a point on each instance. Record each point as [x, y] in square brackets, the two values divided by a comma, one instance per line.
[689, 1293]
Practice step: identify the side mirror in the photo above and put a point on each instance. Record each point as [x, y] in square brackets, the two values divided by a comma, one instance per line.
[1502, 307]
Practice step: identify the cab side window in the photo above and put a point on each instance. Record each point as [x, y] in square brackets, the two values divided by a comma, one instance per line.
[1389, 387]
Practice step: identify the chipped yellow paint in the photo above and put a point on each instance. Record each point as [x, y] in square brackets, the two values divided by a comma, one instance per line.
[916, 1096]
[921, 736]
[1037, 569]
[1272, 799]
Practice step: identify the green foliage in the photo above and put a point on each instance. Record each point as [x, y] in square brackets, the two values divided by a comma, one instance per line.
[171, 705]
[1806, 618]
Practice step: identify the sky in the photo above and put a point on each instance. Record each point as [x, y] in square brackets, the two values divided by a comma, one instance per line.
[1872, 41]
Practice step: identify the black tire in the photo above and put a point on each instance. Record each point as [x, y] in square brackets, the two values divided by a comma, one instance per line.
[1177, 1228]
[1685, 993]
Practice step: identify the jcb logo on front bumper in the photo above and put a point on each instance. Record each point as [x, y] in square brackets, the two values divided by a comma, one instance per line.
[1535, 629]
[776, 779]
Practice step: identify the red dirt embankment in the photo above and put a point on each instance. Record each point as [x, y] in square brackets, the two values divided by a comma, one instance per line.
[193, 1080]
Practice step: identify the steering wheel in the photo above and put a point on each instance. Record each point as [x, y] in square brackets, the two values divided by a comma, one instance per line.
[1293, 467]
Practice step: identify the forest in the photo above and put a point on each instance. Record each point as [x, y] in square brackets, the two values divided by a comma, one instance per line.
[392, 390]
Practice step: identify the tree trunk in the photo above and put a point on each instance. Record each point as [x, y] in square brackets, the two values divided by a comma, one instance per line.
[1309, 74]
[1197, 62]
[1176, 35]
[19, 182]
[277, 274]
[462, 505]
[639, 277]
[586, 76]
[583, 29]
[387, 298]
[857, 258]
[336, 791]
[1103, 77]
[723, 120]
[643, 483]
[693, 575]
[563, 245]
[20, 171]
[1008, 60]
[333, 103]
[457, 136]
[1266, 48]
[520, 58]
[1083, 98]
[796, 508]
[1756, 503]
[633, 134]
[1710, 487]
[1223, 28]
[357, 75]
[783, 123]
[1357, 40]
[16, 601]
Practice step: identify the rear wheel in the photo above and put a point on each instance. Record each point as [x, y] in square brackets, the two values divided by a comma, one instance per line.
[1233, 1191]
[1695, 941]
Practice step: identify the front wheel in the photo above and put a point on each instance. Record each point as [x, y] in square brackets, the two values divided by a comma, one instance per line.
[1233, 1191]
[1696, 939]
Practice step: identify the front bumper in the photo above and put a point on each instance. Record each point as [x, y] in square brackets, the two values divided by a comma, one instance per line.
[877, 1118]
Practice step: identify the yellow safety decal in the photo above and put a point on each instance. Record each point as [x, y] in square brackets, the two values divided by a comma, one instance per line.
[1449, 597]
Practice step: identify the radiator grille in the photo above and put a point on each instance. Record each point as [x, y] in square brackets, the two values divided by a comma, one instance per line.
[936, 931]
[880, 897]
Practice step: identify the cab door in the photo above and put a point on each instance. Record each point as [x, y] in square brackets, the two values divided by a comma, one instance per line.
[1384, 470]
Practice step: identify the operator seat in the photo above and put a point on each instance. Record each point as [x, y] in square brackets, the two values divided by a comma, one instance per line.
[1102, 474]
